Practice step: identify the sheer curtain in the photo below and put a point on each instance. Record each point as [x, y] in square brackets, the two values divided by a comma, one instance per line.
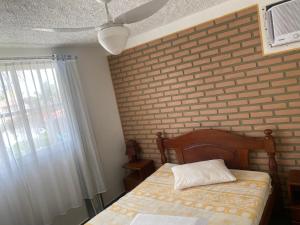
[48, 157]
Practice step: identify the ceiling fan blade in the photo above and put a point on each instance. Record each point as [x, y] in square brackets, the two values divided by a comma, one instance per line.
[64, 30]
[140, 13]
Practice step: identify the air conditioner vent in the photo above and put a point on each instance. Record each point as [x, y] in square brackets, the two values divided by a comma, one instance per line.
[283, 23]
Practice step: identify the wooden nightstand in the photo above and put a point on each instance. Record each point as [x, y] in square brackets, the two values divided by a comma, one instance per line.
[294, 195]
[139, 171]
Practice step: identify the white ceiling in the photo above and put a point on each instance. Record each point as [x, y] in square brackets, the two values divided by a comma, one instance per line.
[16, 16]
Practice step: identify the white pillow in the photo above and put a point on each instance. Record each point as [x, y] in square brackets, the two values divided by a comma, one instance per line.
[201, 173]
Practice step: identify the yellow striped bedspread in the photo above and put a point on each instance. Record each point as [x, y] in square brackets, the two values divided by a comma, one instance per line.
[235, 203]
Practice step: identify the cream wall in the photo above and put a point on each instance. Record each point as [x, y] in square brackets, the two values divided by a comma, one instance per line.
[24, 52]
[98, 90]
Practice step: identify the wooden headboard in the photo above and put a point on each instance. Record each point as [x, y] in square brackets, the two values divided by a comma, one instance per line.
[209, 144]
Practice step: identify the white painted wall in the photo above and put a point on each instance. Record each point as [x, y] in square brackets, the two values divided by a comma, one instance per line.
[98, 90]
[24, 52]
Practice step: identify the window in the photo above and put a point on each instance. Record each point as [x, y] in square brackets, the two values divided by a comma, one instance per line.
[48, 158]
[31, 109]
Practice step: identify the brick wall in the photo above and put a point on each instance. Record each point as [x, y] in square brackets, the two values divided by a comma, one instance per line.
[211, 76]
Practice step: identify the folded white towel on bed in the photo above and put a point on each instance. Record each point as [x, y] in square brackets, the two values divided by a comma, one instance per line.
[149, 219]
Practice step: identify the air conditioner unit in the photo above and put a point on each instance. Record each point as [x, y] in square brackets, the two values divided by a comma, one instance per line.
[283, 23]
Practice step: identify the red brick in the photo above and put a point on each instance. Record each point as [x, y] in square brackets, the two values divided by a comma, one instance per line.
[218, 43]
[210, 66]
[207, 40]
[249, 94]
[240, 37]
[198, 35]
[192, 70]
[174, 62]
[190, 58]
[245, 66]
[239, 22]
[201, 61]
[268, 62]
[287, 112]
[273, 91]
[252, 57]
[250, 108]
[189, 45]
[223, 70]
[252, 42]
[199, 49]
[181, 53]
[292, 57]
[293, 73]
[180, 40]
[172, 50]
[217, 29]
[231, 47]
[243, 52]
[185, 78]
[275, 106]
[231, 61]
[226, 18]
[228, 33]
[260, 100]
[209, 53]
[261, 114]
[253, 26]
[284, 82]
[220, 57]
[284, 67]
[278, 120]
[258, 86]
[184, 66]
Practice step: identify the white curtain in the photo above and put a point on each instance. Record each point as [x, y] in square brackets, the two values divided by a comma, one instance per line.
[49, 161]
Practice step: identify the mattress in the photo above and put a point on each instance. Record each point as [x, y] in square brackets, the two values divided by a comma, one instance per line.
[236, 203]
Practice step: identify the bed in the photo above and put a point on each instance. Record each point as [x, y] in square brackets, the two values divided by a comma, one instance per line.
[248, 201]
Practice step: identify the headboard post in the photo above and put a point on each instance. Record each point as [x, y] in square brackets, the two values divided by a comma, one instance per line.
[270, 149]
[159, 141]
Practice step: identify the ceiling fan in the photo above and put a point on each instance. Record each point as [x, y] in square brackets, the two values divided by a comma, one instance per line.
[113, 35]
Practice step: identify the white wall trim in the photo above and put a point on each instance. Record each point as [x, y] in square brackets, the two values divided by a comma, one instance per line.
[190, 21]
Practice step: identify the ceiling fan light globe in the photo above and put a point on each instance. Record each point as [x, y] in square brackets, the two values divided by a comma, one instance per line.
[113, 39]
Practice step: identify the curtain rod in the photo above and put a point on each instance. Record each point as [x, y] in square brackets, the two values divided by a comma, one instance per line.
[52, 57]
